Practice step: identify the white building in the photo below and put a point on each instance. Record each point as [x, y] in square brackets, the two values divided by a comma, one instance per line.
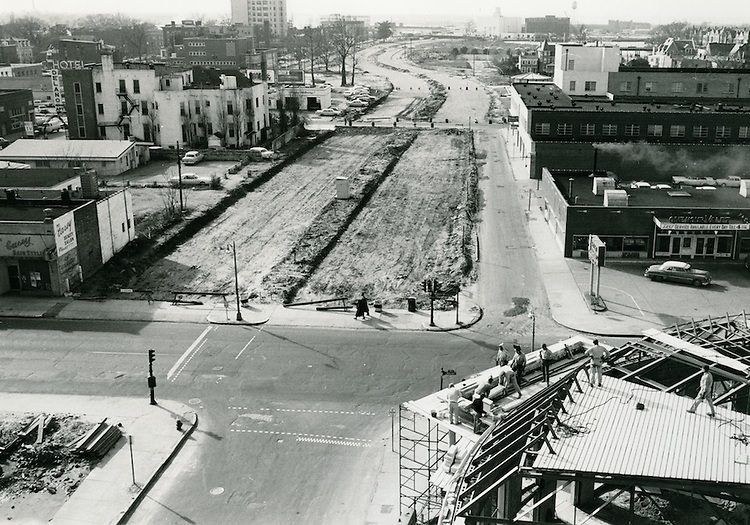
[584, 69]
[257, 12]
[107, 157]
[307, 98]
[190, 116]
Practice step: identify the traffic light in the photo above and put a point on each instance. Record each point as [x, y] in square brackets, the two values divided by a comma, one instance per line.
[424, 285]
[151, 356]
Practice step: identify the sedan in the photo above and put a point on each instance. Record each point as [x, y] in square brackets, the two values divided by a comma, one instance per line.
[192, 157]
[189, 179]
[358, 104]
[679, 272]
[328, 112]
[262, 153]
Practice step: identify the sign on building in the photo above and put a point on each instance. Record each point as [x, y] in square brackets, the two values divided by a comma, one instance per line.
[55, 72]
[22, 245]
[65, 233]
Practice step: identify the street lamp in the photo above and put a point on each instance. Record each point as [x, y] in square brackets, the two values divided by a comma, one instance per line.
[533, 328]
[236, 282]
[443, 373]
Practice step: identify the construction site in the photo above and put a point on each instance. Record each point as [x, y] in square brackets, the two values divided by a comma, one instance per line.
[632, 450]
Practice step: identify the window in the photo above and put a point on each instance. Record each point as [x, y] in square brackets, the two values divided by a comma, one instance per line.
[588, 129]
[210, 128]
[572, 85]
[626, 86]
[81, 131]
[676, 131]
[677, 87]
[571, 65]
[197, 107]
[744, 132]
[79, 110]
[609, 130]
[231, 132]
[723, 132]
[540, 129]
[590, 85]
[103, 132]
[98, 87]
[167, 82]
[700, 132]
[126, 134]
[729, 87]
[256, 102]
[77, 87]
[655, 130]
[100, 109]
[632, 130]
[565, 129]
[649, 87]
[701, 87]
[144, 108]
[208, 103]
[123, 227]
[230, 108]
[182, 109]
[136, 86]
[123, 107]
[122, 88]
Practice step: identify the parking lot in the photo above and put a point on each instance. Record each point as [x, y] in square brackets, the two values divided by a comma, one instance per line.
[628, 293]
[159, 171]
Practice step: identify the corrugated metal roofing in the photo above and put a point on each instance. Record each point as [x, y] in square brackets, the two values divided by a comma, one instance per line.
[611, 437]
[23, 149]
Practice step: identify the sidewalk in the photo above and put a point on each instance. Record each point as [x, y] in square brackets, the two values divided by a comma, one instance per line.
[567, 303]
[107, 494]
[215, 313]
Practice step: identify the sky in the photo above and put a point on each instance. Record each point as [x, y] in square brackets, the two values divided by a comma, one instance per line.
[304, 12]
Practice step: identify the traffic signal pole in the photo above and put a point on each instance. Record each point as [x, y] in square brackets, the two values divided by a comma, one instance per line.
[151, 378]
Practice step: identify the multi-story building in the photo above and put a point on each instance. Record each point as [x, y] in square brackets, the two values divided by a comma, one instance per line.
[76, 50]
[17, 50]
[16, 109]
[683, 85]
[21, 70]
[228, 106]
[548, 25]
[528, 63]
[546, 55]
[260, 12]
[584, 69]
[214, 51]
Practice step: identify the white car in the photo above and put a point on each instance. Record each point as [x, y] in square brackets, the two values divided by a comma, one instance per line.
[731, 181]
[189, 179]
[192, 157]
[262, 153]
[358, 103]
[328, 112]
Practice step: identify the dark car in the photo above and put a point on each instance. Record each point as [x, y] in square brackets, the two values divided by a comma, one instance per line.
[679, 272]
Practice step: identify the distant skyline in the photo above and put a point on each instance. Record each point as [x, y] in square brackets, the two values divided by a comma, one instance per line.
[305, 12]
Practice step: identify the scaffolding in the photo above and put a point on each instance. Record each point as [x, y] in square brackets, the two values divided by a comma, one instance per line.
[422, 445]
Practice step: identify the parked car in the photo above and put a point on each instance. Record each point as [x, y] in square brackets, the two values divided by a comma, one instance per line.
[192, 157]
[732, 181]
[357, 103]
[694, 181]
[679, 272]
[189, 179]
[50, 124]
[259, 153]
[328, 112]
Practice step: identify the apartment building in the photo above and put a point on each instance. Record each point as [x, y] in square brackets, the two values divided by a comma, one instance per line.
[258, 12]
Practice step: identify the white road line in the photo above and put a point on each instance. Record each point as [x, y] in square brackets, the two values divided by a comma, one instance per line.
[309, 411]
[175, 370]
[631, 298]
[248, 344]
[301, 436]
[120, 353]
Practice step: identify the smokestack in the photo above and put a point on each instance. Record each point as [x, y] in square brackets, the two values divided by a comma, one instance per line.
[570, 188]
[596, 155]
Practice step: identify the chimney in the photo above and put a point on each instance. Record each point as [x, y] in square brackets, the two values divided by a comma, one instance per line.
[48, 218]
[108, 64]
[570, 188]
[65, 195]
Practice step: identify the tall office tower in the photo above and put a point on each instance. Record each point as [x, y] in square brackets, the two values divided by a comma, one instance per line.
[257, 12]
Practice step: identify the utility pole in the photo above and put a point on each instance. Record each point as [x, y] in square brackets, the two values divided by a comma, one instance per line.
[236, 282]
[179, 177]
[432, 286]
[151, 378]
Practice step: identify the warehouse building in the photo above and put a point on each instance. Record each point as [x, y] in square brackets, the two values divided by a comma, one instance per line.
[107, 157]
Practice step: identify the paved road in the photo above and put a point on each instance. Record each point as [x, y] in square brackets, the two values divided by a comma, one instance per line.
[293, 422]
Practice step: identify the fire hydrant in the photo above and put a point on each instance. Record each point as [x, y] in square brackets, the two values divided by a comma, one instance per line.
[179, 425]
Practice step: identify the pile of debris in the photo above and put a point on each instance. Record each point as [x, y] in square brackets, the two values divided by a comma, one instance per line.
[97, 441]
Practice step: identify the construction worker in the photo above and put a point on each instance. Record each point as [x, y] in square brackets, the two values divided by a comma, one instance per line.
[545, 358]
[598, 354]
[453, 396]
[705, 392]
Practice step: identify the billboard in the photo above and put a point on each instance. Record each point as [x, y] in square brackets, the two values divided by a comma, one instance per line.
[65, 233]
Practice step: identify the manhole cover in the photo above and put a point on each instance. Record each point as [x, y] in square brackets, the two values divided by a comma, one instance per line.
[218, 368]
[216, 491]
[194, 401]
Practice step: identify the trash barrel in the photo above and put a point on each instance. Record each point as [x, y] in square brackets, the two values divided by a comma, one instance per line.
[412, 304]
[378, 306]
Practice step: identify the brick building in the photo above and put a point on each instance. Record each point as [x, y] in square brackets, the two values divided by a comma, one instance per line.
[548, 25]
[16, 108]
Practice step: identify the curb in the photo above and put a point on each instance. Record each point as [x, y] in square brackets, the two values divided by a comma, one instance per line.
[235, 322]
[462, 326]
[157, 474]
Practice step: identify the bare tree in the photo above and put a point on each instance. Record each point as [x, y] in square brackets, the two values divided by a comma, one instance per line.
[324, 46]
[343, 39]
[311, 34]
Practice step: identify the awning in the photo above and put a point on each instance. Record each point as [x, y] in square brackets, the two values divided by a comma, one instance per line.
[700, 223]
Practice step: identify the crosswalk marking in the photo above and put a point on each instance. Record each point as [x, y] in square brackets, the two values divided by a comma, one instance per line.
[305, 437]
[309, 411]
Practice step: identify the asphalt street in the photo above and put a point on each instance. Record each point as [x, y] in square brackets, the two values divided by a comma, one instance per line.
[293, 422]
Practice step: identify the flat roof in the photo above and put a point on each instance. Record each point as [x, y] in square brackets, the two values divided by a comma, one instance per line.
[26, 213]
[583, 185]
[604, 433]
[23, 149]
[541, 95]
[35, 177]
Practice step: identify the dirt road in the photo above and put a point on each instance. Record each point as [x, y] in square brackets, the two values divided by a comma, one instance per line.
[411, 229]
[266, 223]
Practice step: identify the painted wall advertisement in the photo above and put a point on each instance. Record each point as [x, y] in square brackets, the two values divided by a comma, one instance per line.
[22, 245]
[65, 233]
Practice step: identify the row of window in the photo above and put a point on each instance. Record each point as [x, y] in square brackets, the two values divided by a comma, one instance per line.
[588, 85]
[727, 88]
[122, 87]
[230, 106]
[634, 130]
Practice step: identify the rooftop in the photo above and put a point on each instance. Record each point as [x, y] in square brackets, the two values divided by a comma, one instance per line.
[33, 213]
[583, 183]
[35, 177]
[23, 149]
[548, 96]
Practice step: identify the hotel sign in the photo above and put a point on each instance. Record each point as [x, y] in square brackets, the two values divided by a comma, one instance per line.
[55, 73]
[700, 223]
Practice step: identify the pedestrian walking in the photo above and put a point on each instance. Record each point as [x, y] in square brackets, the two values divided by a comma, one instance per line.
[519, 363]
[508, 377]
[545, 358]
[705, 392]
[453, 396]
[362, 308]
[597, 354]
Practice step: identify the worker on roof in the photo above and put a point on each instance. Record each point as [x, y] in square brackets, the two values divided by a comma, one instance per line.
[508, 378]
[598, 354]
[705, 392]
[453, 396]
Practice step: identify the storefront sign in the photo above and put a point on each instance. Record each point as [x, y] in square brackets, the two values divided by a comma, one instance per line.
[22, 246]
[700, 223]
[65, 233]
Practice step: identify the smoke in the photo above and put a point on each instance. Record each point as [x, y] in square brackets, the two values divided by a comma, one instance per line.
[700, 161]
